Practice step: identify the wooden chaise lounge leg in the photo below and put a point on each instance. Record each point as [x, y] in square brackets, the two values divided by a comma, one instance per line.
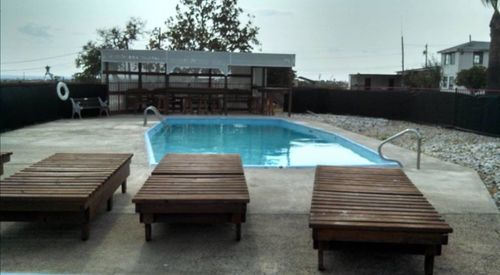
[85, 230]
[429, 264]
[147, 219]
[238, 232]
[236, 219]
[124, 187]
[147, 227]
[321, 265]
[110, 203]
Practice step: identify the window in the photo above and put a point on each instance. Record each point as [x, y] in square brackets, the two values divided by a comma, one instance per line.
[444, 82]
[477, 58]
[449, 59]
[451, 82]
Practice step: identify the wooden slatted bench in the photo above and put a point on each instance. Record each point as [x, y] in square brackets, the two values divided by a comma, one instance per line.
[64, 188]
[194, 188]
[4, 157]
[374, 208]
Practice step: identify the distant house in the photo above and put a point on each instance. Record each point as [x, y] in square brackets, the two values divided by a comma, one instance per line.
[422, 78]
[374, 81]
[462, 57]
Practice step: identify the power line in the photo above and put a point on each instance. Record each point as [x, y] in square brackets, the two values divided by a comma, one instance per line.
[39, 59]
[353, 68]
[35, 68]
[348, 57]
[25, 69]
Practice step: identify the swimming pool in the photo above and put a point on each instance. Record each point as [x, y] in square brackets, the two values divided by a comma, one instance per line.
[261, 142]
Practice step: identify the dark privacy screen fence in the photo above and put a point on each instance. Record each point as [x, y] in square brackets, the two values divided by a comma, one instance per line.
[476, 113]
[24, 104]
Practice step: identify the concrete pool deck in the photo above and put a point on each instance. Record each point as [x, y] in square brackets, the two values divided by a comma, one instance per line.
[276, 238]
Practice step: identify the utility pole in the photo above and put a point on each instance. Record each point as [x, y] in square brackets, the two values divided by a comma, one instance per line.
[159, 38]
[425, 53]
[402, 61]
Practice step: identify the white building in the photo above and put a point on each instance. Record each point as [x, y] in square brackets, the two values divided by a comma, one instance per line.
[462, 57]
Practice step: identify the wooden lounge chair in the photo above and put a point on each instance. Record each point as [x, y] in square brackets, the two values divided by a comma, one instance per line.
[64, 188]
[374, 208]
[194, 188]
[4, 157]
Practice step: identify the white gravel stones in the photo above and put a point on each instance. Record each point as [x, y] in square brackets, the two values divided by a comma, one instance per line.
[478, 152]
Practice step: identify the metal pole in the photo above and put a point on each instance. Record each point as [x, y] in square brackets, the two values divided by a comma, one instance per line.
[419, 144]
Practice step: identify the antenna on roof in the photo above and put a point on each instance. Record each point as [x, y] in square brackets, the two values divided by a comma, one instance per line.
[48, 73]
[470, 38]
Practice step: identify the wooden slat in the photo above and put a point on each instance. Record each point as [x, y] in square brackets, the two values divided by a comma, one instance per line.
[62, 176]
[223, 188]
[371, 199]
[195, 178]
[197, 164]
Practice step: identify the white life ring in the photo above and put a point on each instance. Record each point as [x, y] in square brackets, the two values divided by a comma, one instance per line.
[63, 96]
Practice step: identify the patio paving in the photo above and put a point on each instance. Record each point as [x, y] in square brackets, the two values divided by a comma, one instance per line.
[276, 238]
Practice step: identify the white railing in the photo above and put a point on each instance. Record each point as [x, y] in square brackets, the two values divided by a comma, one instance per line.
[155, 111]
[419, 144]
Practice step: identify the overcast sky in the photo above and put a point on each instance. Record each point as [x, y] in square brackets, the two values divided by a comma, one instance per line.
[331, 38]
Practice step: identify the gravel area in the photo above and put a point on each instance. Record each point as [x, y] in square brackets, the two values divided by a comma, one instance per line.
[481, 153]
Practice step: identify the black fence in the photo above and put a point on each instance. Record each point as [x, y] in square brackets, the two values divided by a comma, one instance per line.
[24, 104]
[479, 113]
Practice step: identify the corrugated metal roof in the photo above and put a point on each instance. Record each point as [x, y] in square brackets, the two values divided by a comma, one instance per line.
[469, 47]
[199, 59]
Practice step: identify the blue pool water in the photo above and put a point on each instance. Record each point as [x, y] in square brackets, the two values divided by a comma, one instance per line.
[261, 142]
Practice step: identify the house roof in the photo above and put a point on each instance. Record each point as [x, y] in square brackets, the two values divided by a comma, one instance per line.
[471, 46]
[358, 74]
[423, 69]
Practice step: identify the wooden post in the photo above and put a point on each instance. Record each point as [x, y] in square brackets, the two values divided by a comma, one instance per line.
[225, 95]
[252, 102]
[262, 103]
[140, 76]
[251, 78]
[106, 69]
[263, 85]
[167, 78]
[209, 78]
[167, 92]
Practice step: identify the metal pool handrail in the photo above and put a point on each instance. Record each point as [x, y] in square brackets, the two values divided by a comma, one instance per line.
[155, 111]
[419, 144]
